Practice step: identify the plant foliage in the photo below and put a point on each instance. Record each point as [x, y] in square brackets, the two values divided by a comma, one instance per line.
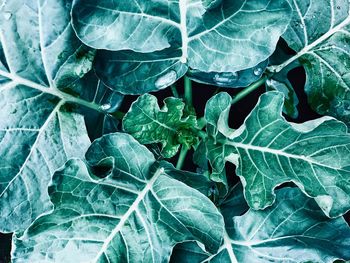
[83, 181]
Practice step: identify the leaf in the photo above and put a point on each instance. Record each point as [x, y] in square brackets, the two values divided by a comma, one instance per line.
[320, 33]
[247, 32]
[118, 206]
[150, 124]
[94, 91]
[38, 130]
[292, 230]
[290, 98]
[269, 151]
[217, 110]
[238, 79]
[280, 82]
[137, 73]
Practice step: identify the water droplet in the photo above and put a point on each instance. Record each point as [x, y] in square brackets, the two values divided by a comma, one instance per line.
[106, 107]
[258, 71]
[7, 15]
[225, 78]
[166, 80]
[338, 7]
[301, 26]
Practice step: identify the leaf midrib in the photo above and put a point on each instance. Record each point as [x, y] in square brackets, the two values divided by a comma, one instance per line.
[308, 48]
[37, 139]
[65, 97]
[126, 216]
[281, 153]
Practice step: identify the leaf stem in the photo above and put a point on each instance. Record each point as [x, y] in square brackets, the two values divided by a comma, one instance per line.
[188, 90]
[182, 157]
[201, 122]
[174, 91]
[249, 89]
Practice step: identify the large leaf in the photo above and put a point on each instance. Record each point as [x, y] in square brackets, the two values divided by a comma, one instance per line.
[119, 206]
[40, 60]
[233, 36]
[269, 151]
[138, 73]
[150, 124]
[292, 230]
[94, 91]
[320, 33]
[239, 79]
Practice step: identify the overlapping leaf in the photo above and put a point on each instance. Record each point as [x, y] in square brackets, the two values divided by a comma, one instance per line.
[150, 124]
[217, 36]
[119, 206]
[269, 151]
[41, 63]
[292, 230]
[320, 33]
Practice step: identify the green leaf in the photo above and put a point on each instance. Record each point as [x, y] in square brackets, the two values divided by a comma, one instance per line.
[41, 62]
[94, 91]
[137, 73]
[150, 124]
[217, 110]
[292, 230]
[290, 98]
[280, 82]
[242, 28]
[118, 206]
[239, 79]
[320, 33]
[269, 151]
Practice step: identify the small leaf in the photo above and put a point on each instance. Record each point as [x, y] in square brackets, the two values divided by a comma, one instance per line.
[150, 124]
[136, 213]
[269, 151]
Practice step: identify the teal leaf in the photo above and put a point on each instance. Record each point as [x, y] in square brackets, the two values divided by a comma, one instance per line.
[239, 79]
[118, 206]
[193, 29]
[292, 230]
[41, 64]
[98, 123]
[138, 73]
[320, 34]
[168, 126]
[268, 151]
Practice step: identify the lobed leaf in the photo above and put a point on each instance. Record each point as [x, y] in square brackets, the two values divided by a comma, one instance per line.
[269, 151]
[168, 126]
[292, 230]
[118, 206]
[320, 33]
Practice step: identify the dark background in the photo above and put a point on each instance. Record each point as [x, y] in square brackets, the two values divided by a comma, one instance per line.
[201, 93]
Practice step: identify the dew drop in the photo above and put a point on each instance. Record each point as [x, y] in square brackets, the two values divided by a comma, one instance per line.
[7, 15]
[166, 80]
[258, 71]
[338, 7]
[106, 107]
[225, 78]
